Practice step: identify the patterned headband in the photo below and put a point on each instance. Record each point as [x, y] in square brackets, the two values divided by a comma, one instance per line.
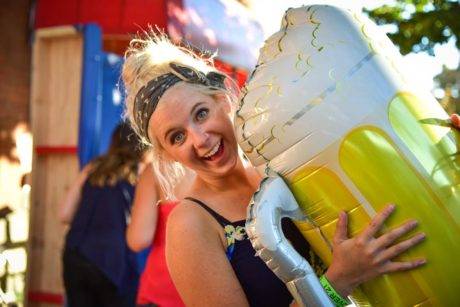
[148, 96]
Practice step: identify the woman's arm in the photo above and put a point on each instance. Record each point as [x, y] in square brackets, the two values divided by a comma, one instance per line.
[69, 204]
[364, 257]
[196, 259]
[141, 229]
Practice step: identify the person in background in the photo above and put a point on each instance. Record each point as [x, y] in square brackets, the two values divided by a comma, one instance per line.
[181, 105]
[98, 267]
[147, 229]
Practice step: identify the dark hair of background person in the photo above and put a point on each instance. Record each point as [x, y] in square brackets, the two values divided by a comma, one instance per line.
[121, 160]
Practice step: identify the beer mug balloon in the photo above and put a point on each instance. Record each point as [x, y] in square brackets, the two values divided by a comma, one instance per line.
[328, 109]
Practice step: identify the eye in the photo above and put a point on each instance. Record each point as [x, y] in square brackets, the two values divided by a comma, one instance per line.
[202, 114]
[177, 138]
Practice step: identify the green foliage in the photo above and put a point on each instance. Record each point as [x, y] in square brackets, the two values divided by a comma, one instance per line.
[449, 81]
[420, 24]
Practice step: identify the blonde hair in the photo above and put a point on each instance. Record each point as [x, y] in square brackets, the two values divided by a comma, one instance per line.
[148, 57]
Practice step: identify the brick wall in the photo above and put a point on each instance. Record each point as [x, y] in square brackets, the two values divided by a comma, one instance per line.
[15, 58]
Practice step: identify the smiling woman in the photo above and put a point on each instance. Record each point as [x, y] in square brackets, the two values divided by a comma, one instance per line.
[180, 105]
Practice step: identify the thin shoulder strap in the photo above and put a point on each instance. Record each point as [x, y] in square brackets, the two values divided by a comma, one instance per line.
[219, 218]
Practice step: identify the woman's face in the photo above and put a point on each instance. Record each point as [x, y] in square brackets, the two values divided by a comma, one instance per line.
[195, 129]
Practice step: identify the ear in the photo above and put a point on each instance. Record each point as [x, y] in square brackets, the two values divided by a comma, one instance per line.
[224, 101]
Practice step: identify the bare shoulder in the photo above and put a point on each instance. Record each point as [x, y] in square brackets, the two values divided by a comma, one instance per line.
[188, 221]
[147, 173]
[148, 178]
[88, 168]
[194, 240]
[187, 215]
[84, 174]
[148, 187]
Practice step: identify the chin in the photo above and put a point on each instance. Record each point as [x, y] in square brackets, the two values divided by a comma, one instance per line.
[225, 169]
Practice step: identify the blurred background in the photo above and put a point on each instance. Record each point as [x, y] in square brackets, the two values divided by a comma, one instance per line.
[61, 97]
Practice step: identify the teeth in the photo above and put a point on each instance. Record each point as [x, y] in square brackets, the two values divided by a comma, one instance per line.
[213, 151]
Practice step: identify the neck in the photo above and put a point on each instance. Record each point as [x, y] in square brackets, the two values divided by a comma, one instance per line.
[239, 178]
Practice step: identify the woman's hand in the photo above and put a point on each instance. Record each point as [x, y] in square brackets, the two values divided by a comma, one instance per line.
[455, 119]
[364, 257]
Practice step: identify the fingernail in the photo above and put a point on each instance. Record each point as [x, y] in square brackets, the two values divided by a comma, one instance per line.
[421, 236]
[413, 223]
[421, 261]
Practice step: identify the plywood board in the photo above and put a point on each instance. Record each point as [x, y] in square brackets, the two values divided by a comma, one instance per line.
[55, 105]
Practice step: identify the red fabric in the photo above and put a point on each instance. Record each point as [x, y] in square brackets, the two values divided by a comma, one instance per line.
[138, 14]
[241, 77]
[237, 74]
[106, 13]
[55, 13]
[156, 285]
[113, 16]
[224, 67]
[45, 297]
[46, 150]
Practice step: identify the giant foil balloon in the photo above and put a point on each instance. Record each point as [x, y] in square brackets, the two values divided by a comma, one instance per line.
[328, 109]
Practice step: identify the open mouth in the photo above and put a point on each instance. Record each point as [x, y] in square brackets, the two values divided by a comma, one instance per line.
[215, 152]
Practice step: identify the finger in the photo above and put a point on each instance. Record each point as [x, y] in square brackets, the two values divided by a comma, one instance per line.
[388, 238]
[403, 266]
[399, 248]
[455, 118]
[341, 231]
[377, 222]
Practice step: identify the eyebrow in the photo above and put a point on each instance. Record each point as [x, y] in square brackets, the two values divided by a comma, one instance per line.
[196, 106]
[191, 112]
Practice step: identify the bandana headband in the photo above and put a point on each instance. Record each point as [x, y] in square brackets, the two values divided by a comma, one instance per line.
[148, 96]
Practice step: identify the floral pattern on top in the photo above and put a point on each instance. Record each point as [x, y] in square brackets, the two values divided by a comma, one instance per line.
[238, 233]
[233, 234]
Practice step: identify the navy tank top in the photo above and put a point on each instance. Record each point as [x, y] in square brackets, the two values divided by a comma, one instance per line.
[97, 231]
[261, 286]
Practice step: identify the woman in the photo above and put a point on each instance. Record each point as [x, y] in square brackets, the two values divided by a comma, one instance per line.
[181, 105]
[147, 228]
[99, 269]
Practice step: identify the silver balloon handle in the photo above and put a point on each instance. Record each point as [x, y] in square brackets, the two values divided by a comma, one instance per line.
[272, 202]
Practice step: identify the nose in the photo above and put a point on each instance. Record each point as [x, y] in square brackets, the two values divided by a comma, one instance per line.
[200, 137]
